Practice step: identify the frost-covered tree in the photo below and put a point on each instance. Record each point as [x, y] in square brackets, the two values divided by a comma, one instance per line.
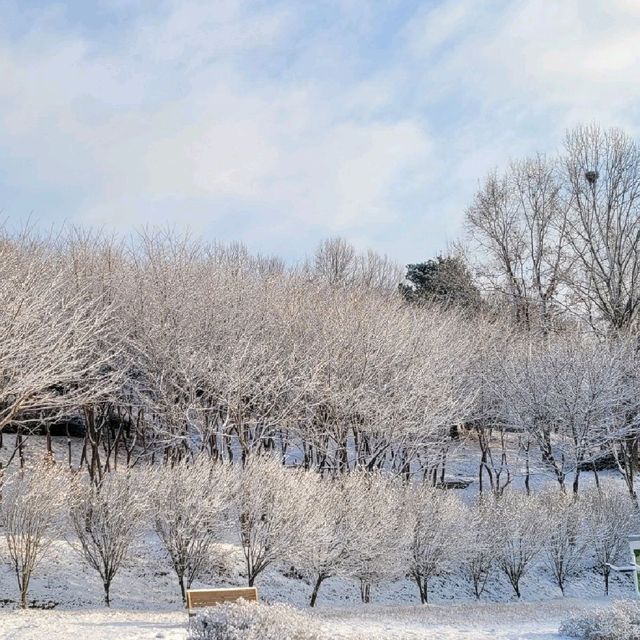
[107, 517]
[608, 516]
[518, 225]
[437, 523]
[56, 342]
[602, 187]
[477, 546]
[190, 504]
[568, 395]
[378, 529]
[564, 542]
[519, 538]
[328, 548]
[273, 513]
[32, 512]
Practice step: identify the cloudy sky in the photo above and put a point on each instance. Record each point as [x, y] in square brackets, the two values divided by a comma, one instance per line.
[282, 122]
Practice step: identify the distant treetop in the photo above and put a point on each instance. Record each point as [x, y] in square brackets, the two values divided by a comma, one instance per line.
[445, 280]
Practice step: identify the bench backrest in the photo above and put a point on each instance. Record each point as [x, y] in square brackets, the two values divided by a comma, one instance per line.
[198, 598]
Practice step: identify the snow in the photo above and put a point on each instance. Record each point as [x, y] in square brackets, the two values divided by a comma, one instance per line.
[147, 604]
[470, 621]
[96, 624]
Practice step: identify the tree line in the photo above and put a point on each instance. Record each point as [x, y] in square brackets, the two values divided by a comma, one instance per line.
[366, 526]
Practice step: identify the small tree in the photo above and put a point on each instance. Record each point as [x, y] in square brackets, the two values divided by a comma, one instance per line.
[273, 513]
[329, 541]
[609, 515]
[564, 543]
[189, 504]
[436, 517]
[106, 518]
[480, 551]
[518, 535]
[378, 530]
[32, 511]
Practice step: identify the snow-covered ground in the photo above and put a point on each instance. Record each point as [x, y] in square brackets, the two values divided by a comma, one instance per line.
[470, 621]
[147, 604]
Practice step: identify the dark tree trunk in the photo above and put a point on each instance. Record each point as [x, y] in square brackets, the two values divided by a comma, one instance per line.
[316, 588]
[423, 588]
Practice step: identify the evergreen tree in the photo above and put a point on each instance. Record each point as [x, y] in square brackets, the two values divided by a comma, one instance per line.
[445, 280]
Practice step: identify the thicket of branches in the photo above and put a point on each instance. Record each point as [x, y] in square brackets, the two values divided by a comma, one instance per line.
[167, 348]
[365, 526]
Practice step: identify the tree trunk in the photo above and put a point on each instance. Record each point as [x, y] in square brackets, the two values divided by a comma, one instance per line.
[422, 588]
[107, 598]
[316, 588]
[365, 591]
[23, 577]
[576, 482]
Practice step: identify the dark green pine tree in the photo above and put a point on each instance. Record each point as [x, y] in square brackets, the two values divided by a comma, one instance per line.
[445, 280]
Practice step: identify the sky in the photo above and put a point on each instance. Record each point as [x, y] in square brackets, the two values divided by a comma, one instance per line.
[279, 123]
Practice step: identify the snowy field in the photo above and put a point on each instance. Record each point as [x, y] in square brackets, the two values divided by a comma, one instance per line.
[67, 597]
[146, 603]
[471, 621]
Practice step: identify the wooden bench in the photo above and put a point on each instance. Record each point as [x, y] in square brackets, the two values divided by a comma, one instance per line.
[201, 598]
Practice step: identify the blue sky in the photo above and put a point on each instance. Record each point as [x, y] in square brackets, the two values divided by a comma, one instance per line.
[279, 123]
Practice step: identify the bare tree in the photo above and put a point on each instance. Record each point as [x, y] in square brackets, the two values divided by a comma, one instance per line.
[329, 542]
[56, 345]
[518, 222]
[437, 523]
[190, 504]
[518, 534]
[479, 550]
[564, 542]
[602, 170]
[273, 513]
[378, 533]
[106, 518]
[32, 512]
[569, 394]
[609, 516]
[334, 261]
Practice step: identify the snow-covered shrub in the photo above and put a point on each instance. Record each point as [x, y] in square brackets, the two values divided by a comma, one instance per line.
[609, 517]
[436, 518]
[252, 621]
[621, 621]
[190, 503]
[31, 510]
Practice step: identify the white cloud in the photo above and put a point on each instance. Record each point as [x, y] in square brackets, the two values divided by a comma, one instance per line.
[515, 75]
[567, 54]
[265, 120]
[173, 116]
